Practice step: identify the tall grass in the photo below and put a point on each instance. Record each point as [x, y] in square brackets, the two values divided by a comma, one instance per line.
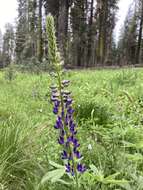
[110, 129]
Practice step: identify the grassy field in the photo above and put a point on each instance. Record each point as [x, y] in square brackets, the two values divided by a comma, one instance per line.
[109, 113]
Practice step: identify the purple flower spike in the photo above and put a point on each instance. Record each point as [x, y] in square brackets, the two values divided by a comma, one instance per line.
[62, 101]
[81, 168]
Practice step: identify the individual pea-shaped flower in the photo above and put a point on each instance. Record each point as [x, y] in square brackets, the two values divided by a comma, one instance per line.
[81, 168]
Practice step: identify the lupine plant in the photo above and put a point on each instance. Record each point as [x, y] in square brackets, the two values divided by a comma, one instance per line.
[63, 109]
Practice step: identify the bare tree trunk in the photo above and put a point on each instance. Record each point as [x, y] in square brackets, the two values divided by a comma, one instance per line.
[140, 35]
[90, 36]
[40, 39]
[63, 26]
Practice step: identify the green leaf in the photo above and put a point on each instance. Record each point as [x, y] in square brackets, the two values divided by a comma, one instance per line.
[93, 168]
[64, 182]
[53, 176]
[138, 145]
[55, 164]
[114, 181]
[99, 176]
[134, 157]
[110, 177]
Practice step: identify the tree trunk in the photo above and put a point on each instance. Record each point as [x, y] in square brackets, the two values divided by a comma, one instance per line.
[90, 37]
[40, 39]
[140, 36]
[63, 26]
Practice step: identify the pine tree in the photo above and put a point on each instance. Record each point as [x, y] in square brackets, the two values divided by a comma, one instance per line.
[128, 37]
[105, 21]
[1, 45]
[40, 32]
[21, 29]
[139, 43]
[32, 21]
[8, 45]
[63, 26]
[79, 32]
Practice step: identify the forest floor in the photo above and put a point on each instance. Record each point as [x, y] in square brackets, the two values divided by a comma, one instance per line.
[109, 112]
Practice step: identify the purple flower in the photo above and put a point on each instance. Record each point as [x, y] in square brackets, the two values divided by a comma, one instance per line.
[70, 139]
[64, 155]
[70, 110]
[81, 168]
[68, 167]
[61, 140]
[53, 99]
[77, 154]
[76, 144]
[68, 102]
[55, 110]
[58, 124]
[55, 95]
[57, 103]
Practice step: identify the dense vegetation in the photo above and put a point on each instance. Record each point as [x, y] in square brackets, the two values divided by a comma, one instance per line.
[109, 106]
[84, 27]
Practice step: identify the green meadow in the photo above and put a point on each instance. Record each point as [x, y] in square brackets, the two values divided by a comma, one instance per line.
[109, 112]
